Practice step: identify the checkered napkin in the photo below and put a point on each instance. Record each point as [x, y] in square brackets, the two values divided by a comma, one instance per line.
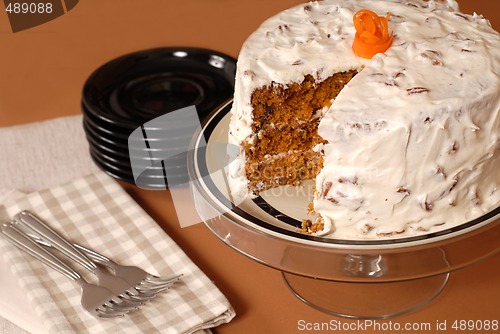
[95, 211]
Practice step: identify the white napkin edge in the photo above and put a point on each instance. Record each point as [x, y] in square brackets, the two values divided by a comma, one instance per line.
[20, 312]
[14, 304]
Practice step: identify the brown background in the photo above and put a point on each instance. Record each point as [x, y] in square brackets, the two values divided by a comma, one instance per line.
[42, 71]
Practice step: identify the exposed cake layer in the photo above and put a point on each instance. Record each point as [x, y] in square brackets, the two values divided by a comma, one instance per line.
[287, 168]
[285, 130]
[412, 140]
[295, 102]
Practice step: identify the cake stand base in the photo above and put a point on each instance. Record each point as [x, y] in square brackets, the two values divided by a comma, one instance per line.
[378, 300]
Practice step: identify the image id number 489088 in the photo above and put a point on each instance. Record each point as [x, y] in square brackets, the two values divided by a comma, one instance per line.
[475, 325]
[29, 8]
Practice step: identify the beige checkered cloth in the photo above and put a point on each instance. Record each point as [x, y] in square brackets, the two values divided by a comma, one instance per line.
[95, 211]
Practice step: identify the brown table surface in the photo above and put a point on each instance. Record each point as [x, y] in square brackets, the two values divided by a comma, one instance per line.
[42, 71]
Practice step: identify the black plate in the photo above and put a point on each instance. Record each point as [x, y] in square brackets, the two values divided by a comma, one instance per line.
[176, 164]
[123, 163]
[156, 184]
[120, 150]
[116, 162]
[105, 139]
[108, 130]
[136, 88]
[105, 147]
[158, 130]
[167, 140]
[149, 179]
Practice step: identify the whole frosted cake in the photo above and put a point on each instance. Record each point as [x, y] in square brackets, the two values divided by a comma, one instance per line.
[399, 143]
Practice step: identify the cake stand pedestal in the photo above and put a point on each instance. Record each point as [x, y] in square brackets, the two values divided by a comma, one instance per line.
[378, 300]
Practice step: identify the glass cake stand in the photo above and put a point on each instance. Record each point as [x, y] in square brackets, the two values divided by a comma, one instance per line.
[325, 273]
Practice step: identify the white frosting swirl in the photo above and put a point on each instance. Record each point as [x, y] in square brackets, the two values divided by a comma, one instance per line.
[413, 140]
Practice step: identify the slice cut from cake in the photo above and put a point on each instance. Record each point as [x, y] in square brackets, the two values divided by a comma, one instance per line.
[285, 124]
[404, 143]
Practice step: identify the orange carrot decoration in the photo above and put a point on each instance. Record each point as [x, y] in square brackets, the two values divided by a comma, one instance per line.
[372, 34]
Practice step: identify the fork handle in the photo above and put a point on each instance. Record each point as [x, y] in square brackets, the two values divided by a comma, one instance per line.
[19, 239]
[93, 255]
[55, 239]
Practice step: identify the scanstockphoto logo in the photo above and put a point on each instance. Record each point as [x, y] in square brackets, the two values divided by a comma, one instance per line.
[26, 14]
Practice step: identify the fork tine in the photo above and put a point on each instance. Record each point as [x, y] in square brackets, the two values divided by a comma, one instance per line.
[155, 280]
[146, 288]
[121, 304]
[104, 311]
[143, 281]
[106, 315]
[147, 284]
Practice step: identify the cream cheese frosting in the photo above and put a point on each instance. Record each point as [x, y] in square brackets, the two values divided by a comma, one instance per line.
[413, 139]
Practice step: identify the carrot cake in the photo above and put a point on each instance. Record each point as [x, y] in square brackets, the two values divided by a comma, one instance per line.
[390, 106]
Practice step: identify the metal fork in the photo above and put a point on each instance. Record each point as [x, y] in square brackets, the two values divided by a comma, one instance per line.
[126, 283]
[46, 236]
[96, 300]
[131, 274]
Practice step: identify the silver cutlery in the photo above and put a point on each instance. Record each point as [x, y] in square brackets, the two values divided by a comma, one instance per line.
[98, 301]
[130, 283]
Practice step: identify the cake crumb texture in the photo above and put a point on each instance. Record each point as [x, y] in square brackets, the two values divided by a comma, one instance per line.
[285, 124]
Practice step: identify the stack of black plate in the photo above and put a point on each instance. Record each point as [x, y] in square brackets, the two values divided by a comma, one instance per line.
[128, 92]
